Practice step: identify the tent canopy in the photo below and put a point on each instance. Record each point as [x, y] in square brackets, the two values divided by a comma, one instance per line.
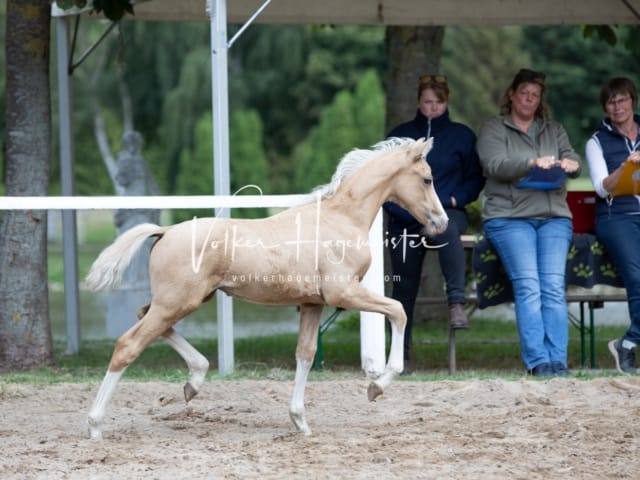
[406, 12]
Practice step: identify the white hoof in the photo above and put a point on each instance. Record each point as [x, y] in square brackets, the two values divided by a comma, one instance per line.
[300, 422]
[95, 431]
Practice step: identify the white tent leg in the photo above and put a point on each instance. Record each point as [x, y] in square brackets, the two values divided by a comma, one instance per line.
[220, 108]
[69, 232]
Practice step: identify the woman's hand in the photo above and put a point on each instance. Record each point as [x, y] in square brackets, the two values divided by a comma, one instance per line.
[634, 157]
[546, 162]
[549, 161]
[569, 165]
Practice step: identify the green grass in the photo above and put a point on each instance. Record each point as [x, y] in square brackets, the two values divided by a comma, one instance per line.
[488, 350]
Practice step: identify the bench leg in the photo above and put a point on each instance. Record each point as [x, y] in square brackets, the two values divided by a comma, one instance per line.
[583, 356]
[452, 351]
[592, 337]
[318, 360]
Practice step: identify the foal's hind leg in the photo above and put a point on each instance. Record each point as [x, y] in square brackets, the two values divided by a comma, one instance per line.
[305, 352]
[196, 362]
[128, 347]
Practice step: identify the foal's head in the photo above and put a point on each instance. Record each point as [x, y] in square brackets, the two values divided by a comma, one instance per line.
[412, 187]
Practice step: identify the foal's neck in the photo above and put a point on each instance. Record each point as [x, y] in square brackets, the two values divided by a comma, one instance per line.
[362, 196]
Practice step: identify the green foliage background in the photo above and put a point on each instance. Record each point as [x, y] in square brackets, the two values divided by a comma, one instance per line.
[301, 97]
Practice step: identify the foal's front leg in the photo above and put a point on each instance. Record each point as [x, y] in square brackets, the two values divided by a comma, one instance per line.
[356, 297]
[305, 352]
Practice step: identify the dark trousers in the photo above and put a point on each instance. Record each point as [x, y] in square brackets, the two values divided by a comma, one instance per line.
[619, 234]
[407, 256]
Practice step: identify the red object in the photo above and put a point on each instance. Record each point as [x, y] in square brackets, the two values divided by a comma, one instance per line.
[583, 209]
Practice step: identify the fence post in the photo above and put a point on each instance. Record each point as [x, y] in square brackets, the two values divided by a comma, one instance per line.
[372, 327]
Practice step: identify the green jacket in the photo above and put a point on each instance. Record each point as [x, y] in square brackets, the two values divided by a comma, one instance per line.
[505, 153]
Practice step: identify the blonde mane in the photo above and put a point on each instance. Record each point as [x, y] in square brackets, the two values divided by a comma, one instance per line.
[356, 158]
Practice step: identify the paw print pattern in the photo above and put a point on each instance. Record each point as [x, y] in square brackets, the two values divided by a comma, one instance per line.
[480, 277]
[597, 248]
[582, 270]
[493, 291]
[489, 255]
[608, 270]
[573, 251]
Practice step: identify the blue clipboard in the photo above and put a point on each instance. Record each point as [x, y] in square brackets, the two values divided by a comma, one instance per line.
[540, 179]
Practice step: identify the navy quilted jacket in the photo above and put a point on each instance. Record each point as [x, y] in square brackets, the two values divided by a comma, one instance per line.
[453, 161]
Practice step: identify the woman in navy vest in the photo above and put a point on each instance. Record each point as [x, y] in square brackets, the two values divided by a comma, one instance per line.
[616, 142]
[458, 180]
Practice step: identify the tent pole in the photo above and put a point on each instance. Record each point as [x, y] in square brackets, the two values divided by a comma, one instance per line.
[220, 109]
[69, 228]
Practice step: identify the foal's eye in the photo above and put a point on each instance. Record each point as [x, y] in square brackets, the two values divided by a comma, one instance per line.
[427, 181]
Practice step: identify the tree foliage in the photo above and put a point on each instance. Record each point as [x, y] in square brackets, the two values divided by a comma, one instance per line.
[345, 124]
[574, 86]
[479, 64]
[610, 34]
[196, 174]
[247, 160]
[112, 9]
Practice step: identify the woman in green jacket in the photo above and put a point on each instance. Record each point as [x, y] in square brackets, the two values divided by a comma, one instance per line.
[526, 158]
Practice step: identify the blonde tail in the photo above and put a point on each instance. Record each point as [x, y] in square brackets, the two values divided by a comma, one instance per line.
[107, 270]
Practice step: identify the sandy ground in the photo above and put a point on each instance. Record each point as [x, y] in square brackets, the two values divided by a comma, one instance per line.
[477, 429]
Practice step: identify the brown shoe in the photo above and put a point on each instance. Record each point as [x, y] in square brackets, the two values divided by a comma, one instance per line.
[457, 317]
[408, 367]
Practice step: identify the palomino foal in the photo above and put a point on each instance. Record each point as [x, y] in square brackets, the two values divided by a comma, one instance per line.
[311, 255]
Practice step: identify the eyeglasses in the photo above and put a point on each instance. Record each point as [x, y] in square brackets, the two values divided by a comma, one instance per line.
[437, 79]
[528, 94]
[618, 101]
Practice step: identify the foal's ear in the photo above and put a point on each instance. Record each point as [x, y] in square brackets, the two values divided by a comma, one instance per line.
[423, 146]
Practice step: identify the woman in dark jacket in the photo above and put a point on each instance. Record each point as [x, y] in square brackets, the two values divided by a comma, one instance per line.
[458, 181]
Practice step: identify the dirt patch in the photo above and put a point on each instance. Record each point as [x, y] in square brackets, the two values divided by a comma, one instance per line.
[489, 429]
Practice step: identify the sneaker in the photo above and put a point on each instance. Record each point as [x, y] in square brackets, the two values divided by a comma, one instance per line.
[625, 357]
[559, 369]
[542, 370]
[457, 317]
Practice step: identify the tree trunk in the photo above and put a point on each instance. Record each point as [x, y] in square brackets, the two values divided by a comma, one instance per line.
[25, 331]
[411, 52]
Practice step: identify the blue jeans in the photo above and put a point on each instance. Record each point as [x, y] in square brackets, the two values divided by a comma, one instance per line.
[534, 255]
[619, 234]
